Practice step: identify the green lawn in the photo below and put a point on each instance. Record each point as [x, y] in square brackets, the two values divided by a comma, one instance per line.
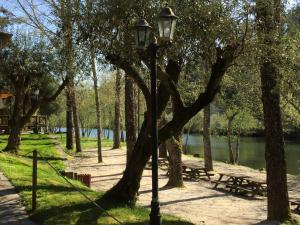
[58, 203]
[87, 142]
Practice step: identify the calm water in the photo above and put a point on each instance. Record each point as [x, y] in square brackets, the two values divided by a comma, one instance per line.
[251, 151]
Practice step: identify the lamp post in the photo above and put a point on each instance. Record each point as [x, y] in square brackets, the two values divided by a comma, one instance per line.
[166, 25]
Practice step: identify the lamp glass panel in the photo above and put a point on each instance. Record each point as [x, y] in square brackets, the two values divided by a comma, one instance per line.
[173, 29]
[136, 37]
[142, 37]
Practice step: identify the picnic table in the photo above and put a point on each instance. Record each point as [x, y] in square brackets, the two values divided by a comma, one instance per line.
[296, 203]
[240, 183]
[193, 171]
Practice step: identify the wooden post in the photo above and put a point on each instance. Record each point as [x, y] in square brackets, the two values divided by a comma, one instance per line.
[34, 179]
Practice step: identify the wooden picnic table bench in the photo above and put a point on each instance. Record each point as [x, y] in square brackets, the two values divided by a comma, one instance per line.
[195, 171]
[295, 203]
[240, 183]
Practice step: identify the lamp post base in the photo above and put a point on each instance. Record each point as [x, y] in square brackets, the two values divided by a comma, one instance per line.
[155, 217]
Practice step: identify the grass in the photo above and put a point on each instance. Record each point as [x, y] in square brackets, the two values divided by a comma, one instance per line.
[87, 142]
[58, 203]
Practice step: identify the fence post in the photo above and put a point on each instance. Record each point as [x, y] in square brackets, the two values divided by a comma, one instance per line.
[34, 179]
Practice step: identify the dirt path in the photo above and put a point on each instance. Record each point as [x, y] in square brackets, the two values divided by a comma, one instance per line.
[197, 202]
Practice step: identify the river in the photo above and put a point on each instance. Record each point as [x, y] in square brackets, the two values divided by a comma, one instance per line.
[251, 150]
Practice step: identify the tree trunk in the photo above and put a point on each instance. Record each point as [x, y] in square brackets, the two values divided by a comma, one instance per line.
[116, 137]
[69, 120]
[97, 102]
[237, 146]
[187, 140]
[206, 139]
[127, 187]
[75, 121]
[269, 33]
[229, 139]
[174, 147]
[15, 125]
[163, 150]
[129, 117]
[14, 136]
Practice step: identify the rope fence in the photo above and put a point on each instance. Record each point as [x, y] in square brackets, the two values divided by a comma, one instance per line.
[46, 159]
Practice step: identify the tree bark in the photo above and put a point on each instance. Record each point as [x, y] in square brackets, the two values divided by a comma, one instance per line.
[163, 152]
[75, 121]
[237, 146]
[229, 139]
[174, 147]
[15, 127]
[269, 33]
[97, 102]
[69, 120]
[130, 124]
[206, 139]
[116, 137]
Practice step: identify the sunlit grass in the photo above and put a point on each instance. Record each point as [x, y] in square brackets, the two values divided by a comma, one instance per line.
[58, 202]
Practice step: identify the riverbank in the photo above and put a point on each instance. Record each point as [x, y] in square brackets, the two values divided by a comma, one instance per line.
[197, 202]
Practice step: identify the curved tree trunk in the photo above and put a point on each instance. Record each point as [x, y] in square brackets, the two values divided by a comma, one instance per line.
[174, 147]
[270, 33]
[129, 117]
[116, 137]
[14, 136]
[127, 187]
[206, 139]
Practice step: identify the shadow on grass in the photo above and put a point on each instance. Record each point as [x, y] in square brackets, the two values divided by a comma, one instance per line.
[87, 214]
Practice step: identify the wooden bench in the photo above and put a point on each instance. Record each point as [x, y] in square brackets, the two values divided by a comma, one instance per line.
[194, 172]
[240, 183]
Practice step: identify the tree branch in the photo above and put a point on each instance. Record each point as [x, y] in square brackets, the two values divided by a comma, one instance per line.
[133, 73]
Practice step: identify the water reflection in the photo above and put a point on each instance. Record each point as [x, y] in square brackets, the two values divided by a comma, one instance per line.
[251, 151]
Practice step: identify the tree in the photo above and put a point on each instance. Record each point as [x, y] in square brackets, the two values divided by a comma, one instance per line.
[97, 102]
[129, 116]
[114, 42]
[269, 36]
[26, 67]
[117, 125]
[206, 139]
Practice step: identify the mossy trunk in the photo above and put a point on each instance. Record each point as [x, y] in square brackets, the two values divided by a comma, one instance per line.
[174, 147]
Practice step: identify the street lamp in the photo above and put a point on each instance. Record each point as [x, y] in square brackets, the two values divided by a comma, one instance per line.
[166, 25]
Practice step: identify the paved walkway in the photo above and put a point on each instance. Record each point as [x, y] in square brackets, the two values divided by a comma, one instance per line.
[11, 210]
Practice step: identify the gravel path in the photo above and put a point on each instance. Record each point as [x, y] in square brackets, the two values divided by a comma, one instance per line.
[197, 202]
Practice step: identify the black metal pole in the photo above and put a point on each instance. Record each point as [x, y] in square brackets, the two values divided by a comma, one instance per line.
[155, 217]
